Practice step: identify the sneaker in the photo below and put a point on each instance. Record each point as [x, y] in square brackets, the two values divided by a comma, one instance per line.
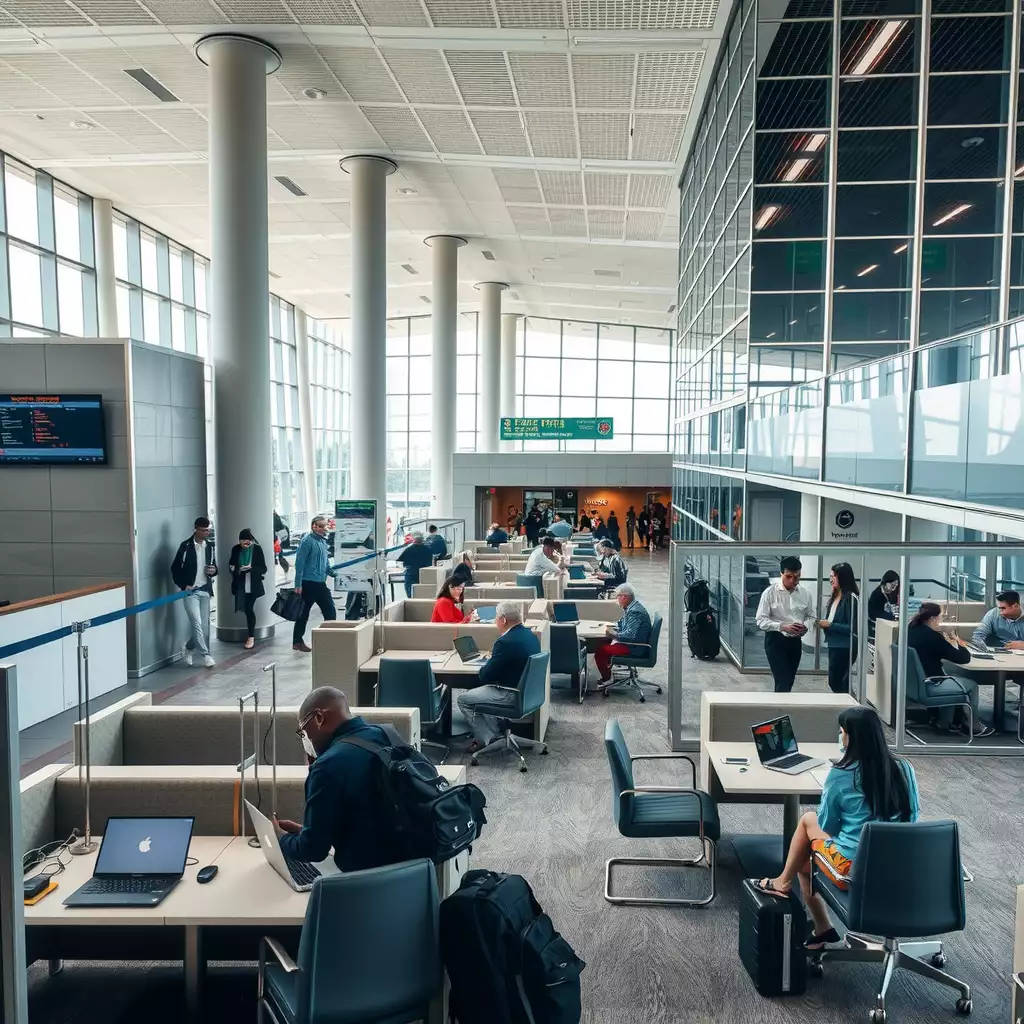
[186, 656]
[300, 646]
[981, 730]
[208, 661]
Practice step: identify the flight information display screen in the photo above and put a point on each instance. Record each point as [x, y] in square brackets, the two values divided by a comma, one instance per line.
[52, 430]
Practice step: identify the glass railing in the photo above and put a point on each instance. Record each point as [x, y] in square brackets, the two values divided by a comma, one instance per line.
[784, 431]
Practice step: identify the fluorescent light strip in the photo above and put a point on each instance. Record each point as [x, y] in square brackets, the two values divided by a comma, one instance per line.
[796, 169]
[882, 41]
[815, 142]
[766, 216]
[1019, 171]
[955, 212]
[902, 248]
[867, 270]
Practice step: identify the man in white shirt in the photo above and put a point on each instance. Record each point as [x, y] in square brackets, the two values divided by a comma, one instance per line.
[785, 613]
[193, 570]
[542, 559]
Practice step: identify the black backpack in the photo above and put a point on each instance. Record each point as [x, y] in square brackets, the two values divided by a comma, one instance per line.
[702, 635]
[426, 815]
[505, 961]
[697, 597]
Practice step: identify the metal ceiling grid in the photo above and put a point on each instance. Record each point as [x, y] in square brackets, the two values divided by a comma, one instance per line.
[561, 188]
[604, 81]
[449, 130]
[530, 220]
[603, 136]
[606, 223]
[643, 225]
[517, 186]
[641, 15]
[459, 13]
[667, 81]
[500, 132]
[542, 79]
[605, 189]
[657, 137]
[567, 221]
[317, 12]
[482, 77]
[650, 191]
[399, 129]
[535, 14]
[362, 72]
[423, 75]
[552, 135]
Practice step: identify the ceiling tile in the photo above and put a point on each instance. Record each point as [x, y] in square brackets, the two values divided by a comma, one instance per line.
[174, 67]
[658, 136]
[568, 222]
[45, 12]
[605, 188]
[460, 13]
[302, 67]
[605, 81]
[530, 220]
[641, 15]
[562, 188]
[345, 124]
[363, 74]
[530, 13]
[297, 128]
[449, 130]
[500, 132]
[652, 191]
[398, 128]
[517, 186]
[552, 134]
[321, 12]
[187, 126]
[114, 12]
[606, 223]
[668, 80]
[63, 79]
[423, 75]
[185, 12]
[393, 13]
[542, 79]
[137, 132]
[604, 136]
[643, 226]
[482, 77]
[256, 12]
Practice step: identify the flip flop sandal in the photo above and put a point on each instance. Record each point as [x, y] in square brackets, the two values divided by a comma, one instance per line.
[816, 943]
[765, 885]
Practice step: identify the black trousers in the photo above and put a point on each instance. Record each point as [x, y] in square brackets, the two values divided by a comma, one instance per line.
[783, 654]
[320, 595]
[249, 607]
[839, 661]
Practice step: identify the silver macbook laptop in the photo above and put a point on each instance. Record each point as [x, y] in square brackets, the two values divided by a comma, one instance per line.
[298, 874]
[777, 747]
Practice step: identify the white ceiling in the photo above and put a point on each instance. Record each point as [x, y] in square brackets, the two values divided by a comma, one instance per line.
[550, 133]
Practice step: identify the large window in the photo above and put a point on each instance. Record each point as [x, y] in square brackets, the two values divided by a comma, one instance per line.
[330, 397]
[47, 275]
[286, 454]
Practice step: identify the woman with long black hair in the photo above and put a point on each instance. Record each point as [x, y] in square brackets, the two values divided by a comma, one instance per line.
[867, 784]
[248, 566]
[840, 626]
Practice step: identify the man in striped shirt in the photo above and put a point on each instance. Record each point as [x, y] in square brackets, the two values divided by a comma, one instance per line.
[633, 628]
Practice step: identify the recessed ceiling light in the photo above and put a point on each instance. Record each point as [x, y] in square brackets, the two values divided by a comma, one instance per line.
[487, 254]
[955, 212]
[409, 268]
[791, 322]
[634, 282]
[151, 85]
[296, 190]
[974, 140]
[406, 192]
[766, 215]
[867, 270]
[425, 298]
[902, 248]
[881, 42]
[82, 126]
[312, 93]
[549, 259]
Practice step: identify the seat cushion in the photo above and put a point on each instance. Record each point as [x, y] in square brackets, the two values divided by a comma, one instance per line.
[666, 815]
[837, 899]
[282, 990]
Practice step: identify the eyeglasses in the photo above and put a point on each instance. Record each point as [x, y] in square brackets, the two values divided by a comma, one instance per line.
[302, 725]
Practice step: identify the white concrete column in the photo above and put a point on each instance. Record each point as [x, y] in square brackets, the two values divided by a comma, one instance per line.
[810, 530]
[106, 276]
[490, 362]
[369, 324]
[314, 504]
[444, 323]
[240, 303]
[509, 323]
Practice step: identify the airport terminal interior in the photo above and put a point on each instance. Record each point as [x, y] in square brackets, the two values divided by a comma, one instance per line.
[615, 407]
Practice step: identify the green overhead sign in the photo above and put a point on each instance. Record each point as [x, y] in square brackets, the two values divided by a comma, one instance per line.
[566, 428]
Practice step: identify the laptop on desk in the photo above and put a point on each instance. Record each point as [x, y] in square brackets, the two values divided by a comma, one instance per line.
[468, 650]
[777, 748]
[298, 874]
[566, 611]
[140, 861]
[486, 612]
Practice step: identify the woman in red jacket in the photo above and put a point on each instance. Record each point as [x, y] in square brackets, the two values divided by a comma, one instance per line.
[448, 607]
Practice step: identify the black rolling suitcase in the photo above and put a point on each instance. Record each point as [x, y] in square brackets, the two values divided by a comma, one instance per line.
[772, 934]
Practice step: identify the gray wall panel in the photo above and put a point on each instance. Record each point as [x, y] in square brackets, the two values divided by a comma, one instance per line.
[89, 489]
[16, 526]
[24, 489]
[91, 527]
[110, 560]
[25, 364]
[86, 369]
[151, 375]
[25, 588]
[189, 451]
[23, 558]
[153, 451]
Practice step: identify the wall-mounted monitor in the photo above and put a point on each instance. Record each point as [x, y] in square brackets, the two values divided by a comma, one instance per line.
[52, 430]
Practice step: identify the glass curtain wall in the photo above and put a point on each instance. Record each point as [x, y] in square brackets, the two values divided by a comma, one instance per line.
[583, 369]
[286, 442]
[330, 376]
[47, 269]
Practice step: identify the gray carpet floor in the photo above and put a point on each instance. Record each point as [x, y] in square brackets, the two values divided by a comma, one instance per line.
[554, 826]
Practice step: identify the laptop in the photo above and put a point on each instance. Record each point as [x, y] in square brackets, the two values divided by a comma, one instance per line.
[140, 861]
[566, 611]
[980, 651]
[577, 572]
[777, 747]
[298, 874]
[487, 612]
[468, 650]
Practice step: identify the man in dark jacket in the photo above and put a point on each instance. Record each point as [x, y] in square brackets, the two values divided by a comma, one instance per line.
[342, 805]
[193, 570]
[500, 675]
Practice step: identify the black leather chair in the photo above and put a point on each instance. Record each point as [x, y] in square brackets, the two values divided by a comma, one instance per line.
[656, 812]
[640, 656]
[569, 655]
[411, 684]
[369, 952]
[907, 880]
[920, 695]
[537, 582]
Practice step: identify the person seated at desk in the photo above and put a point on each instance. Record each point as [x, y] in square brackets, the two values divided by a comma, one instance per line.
[500, 674]
[436, 543]
[867, 784]
[612, 567]
[448, 606]
[542, 559]
[884, 600]
[633, 627]
[1002, 626]
[415, 557]
[341, 793]
[934, 646]
[496, 537]
[463, 571]
[560, 529]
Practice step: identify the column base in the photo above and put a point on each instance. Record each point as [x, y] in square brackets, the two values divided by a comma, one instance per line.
[238, 634]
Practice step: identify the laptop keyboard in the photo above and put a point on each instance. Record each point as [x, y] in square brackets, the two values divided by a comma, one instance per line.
[788, 762]
[301, 872]
[108, 886]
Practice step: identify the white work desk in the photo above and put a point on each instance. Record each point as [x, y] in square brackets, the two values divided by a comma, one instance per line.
[246, 893]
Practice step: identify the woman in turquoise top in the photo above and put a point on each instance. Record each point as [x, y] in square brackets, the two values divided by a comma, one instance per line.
[867, 784]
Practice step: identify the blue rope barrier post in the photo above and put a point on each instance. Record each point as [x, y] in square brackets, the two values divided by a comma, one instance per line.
[84, 844]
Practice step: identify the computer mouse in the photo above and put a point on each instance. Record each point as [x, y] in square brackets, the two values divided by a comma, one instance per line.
[742, 770]
[206, 874]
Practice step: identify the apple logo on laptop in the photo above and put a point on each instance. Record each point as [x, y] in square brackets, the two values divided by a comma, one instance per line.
[145, 845]
[266, 840]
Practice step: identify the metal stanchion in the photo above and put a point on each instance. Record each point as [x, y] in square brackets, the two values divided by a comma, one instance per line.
[272, 669]
[254, 758]
[84, 844]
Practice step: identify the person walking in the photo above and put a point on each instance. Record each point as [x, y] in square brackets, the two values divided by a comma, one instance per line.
[248, 566]
[643, 526]
[785, 613]
[193, 570]
[840, 626]
[415, 557]
[312, 567]
[613, 530]
[630, 526]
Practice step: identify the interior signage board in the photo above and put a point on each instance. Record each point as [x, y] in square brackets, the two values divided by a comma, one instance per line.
[565, 428]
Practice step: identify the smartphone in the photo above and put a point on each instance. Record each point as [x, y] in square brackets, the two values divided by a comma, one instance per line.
[736, 760]
[36, 885]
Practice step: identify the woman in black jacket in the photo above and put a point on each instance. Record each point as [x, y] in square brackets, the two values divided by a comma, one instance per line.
[840, 626]
[248, 566]
[884, 601]
[463, 571]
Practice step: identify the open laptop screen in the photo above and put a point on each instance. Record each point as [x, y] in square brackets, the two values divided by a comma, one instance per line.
[577, 572]
[144, 846]
[466, 646]
[486, 612]
[566, 612]
[774, 739]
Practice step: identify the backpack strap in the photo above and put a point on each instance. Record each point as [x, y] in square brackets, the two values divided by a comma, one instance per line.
[380, 749]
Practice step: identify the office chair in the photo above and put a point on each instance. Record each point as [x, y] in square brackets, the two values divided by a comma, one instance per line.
[640, 656]
[532, 694]
[537, 582]
[569, 655]
[658, 812]
[411, 684]
[369, 952]
[907, 880]
[919, 695]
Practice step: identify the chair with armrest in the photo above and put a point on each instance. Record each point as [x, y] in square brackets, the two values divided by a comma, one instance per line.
[918, 696]
[658, 812]
[640, 656]
[532, 692]
[569, 655]
[369, 952]
[907, 880]
[537, 582]
[411, 684]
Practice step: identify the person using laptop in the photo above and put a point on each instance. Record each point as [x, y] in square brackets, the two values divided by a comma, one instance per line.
[785, 613]
[341, 799]
[1002, 626]
[633, 627]
[934, 646]
[500, 674]
[542, 559]
[612, 568]
[867, 784]
[448, 606]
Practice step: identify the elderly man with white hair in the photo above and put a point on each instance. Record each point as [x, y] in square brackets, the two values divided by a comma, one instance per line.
[415, 557]
[633, 627]
[500, 675]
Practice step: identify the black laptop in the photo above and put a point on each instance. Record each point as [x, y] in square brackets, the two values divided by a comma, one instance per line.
[140, 861]
[566, 611]
[468, 650]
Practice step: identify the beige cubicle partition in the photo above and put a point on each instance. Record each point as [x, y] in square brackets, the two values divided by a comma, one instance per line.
[421, 609]
[338, 652]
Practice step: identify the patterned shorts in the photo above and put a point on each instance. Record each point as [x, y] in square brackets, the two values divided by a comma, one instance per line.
[832, 862]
